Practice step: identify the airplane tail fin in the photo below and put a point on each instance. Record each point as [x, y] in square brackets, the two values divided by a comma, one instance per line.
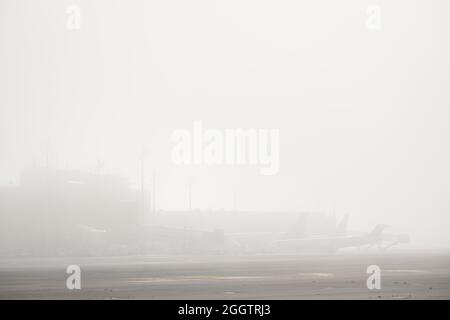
[378, 230]
[341, 228]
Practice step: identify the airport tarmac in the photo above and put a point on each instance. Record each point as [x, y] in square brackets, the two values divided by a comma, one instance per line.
[337, 276]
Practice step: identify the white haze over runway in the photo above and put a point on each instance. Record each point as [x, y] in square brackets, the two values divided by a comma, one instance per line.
[363, 115]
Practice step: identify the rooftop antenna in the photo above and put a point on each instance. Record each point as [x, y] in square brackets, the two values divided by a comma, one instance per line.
[234, 198]
[190, 194]
[154, 193]
[143, 183]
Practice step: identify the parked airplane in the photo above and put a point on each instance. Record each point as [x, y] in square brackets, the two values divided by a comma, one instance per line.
[330, 243]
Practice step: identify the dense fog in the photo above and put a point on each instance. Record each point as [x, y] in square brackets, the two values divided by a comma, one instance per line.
[228, 127]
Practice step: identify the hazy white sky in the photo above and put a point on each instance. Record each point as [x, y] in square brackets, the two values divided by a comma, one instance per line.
[363, 115]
